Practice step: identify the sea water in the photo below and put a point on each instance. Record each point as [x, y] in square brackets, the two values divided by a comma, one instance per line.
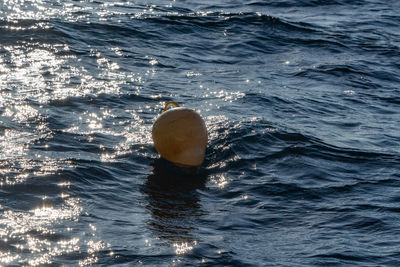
[302, 105]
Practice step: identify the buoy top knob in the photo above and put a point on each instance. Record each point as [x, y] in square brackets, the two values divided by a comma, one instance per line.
[180, 136]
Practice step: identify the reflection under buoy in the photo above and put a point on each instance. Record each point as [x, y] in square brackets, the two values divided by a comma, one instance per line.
[173, 201]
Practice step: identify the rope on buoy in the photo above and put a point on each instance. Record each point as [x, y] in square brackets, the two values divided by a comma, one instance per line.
[169, 104]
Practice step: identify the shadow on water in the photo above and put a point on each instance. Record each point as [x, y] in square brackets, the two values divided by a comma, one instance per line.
[173, 201]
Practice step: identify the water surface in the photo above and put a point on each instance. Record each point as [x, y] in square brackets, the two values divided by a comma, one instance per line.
[301, 100]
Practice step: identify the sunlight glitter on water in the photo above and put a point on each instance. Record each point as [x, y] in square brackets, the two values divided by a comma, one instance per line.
[13, 143]
[92, 248]
[184, 247]
[219, 180]
[21, 113]
[25, 74]
[21, 228]
[17, 169]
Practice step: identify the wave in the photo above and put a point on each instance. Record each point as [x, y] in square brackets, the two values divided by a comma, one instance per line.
[242, 145]
[305, 3]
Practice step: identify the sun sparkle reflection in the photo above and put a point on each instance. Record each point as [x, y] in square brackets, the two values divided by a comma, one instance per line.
[219, 180]
[34, 233]
[183, 248]
[7, 257]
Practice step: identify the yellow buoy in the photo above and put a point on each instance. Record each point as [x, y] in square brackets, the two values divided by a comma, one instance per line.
[180, 136]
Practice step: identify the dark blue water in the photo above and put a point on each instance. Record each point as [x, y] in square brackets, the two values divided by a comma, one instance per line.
[302, 104]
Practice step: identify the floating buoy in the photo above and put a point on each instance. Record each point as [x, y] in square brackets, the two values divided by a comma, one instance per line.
[180, 136]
